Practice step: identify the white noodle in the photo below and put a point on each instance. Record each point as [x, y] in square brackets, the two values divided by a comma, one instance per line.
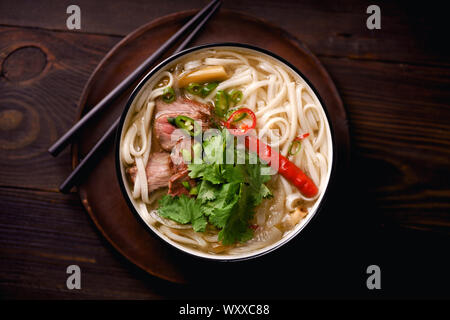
[219, 62]
[129, 137]
[190, 65]
[142, 179]
[273, 102]
[183, 239]
[137, 188]
[145, 214]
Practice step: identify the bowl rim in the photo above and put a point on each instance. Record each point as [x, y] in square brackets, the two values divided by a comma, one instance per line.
[136, 91]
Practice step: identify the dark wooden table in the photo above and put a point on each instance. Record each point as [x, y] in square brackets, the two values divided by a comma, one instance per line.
[395, 211]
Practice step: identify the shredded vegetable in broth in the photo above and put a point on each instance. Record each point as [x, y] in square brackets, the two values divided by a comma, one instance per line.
[210, 205]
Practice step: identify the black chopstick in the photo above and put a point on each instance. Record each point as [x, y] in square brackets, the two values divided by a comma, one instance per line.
[62, 142]
[196, 30]
[75, 177]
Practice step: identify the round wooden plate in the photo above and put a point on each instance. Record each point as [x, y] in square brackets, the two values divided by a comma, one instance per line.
[100, 192]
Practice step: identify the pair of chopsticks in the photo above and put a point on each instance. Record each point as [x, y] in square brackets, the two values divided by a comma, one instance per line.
[197, 22]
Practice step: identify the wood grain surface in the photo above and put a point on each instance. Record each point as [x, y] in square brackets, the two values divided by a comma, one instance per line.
[395, 86]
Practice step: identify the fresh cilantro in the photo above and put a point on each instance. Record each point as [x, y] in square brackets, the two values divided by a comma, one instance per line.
[183, 210]
[209, 172]
[233, 173]
[210, 167]
[207, 191]
[220, 209]
[217, 200]
[227, 193]
[256, 182]
[237, 227]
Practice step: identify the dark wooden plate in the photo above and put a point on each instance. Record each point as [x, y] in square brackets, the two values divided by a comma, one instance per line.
[100, 192]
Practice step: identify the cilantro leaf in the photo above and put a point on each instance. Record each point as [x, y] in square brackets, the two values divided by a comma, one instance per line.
[198, 221]
[227, 193]
[174, 208]
[233, 173]
[221, 208]
[210, 168]
[256, 182]
[183, 210]
[209, 172]
[206, 192]
[237, 227]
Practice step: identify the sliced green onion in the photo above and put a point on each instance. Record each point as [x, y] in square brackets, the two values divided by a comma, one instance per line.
[171, 120]
[240, 117]
[295, 144]
[188, 124]
[194, 88]
[235, 96]
[208, 88]
[168, 95]
[229, 112]
[221, 103]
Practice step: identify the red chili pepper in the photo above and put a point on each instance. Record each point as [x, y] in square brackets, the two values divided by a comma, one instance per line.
[301, 137]
[296, 143]
[244, 128]
[285, 167]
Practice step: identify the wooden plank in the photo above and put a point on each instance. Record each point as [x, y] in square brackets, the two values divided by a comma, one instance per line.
[399, 120]
[42, 233]
[398, 113]
[43, 75]
[410, 32]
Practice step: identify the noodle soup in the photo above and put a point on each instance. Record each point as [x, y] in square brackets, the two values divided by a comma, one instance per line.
[188, 124]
